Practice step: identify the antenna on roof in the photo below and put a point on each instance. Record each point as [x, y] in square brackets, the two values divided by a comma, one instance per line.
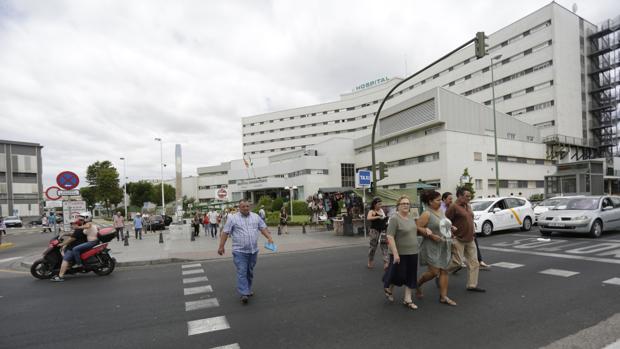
[574, 7]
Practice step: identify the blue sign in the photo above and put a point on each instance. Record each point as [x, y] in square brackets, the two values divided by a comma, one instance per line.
[364, 178]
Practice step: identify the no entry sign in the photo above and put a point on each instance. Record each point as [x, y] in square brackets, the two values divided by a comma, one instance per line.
[67, 180]
[52, 193]
[221, 194]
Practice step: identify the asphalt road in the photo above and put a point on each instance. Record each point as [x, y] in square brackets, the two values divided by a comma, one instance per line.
[325, 299]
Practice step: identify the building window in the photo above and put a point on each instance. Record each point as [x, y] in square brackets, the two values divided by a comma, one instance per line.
[347, 175]
[511, 135]
[478, 184]
[477, 156]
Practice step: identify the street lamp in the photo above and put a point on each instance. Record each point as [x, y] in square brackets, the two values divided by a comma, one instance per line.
[290, 198]
[495, 124]
[161, 158]
[125, 185]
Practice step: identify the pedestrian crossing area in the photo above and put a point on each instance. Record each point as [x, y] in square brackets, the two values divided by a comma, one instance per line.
[554, 272]
[195, 290]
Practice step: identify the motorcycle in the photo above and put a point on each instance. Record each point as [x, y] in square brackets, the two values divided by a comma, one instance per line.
[96, 259]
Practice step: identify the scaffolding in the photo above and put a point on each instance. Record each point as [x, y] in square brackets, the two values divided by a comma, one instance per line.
[604, 87]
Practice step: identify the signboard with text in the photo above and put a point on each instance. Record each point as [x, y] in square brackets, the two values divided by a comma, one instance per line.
[70, 211]
[363, 179]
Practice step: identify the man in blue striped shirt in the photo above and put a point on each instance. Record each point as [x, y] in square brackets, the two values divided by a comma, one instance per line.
[244, 227]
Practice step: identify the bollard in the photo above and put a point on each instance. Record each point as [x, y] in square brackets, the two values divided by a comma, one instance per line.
[126, 243]
[191, 231]
[303, 228]
[161, 237]
[279, 230]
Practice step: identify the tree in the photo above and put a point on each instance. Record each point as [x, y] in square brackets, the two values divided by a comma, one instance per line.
[88, 194]
[103, 179]
[469, 184]
[139, 192]
[169, 193]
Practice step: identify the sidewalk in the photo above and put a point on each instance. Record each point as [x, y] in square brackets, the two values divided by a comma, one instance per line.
[177, 246]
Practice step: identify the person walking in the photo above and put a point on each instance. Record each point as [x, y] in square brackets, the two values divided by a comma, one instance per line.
[119, 225]
[224, 218]
[283, 221]
[446, 201]
[262, 214]
[205, 223]
[403, 242]
[378, 224]
[463, 245]
[2, 228]
[45, 223]
[196, 224]
[52, 221]
[244, 228]
[435, 250]
[137, 225]
[213, 217]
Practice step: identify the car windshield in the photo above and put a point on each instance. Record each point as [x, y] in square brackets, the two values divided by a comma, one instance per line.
[12, 217]
[480, 205]
[553, 202]
[580, 204]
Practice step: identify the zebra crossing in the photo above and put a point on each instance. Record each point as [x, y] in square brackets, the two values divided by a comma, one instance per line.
[554, 272]
[196, 286]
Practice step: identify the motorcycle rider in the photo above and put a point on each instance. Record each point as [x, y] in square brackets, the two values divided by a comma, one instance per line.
[78, 237]
[90, 230]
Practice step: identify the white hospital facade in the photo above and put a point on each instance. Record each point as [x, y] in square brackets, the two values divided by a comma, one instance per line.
[556, 93]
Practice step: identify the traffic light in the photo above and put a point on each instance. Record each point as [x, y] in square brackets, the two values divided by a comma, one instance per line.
[382, 170]
[481, 45]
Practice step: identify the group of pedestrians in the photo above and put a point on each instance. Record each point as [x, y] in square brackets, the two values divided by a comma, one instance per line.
[447, 243]
[210, 221]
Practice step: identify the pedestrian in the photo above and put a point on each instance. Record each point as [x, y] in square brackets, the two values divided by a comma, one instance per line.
[446, 201]
[435, 250]
[483, 265]
[205, 223]
[2, 228]
[137, 225]
[196, 224]
[378, 224]
[213, 217]
[463, 245]
[119, 225]
[403, 242]
[262, 213]
[244, 228]
[283, 221]
[224, 218]
[52, 221]
[45, 223]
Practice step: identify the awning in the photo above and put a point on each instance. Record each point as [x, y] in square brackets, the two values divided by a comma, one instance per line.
[390, 196]
[336, 190]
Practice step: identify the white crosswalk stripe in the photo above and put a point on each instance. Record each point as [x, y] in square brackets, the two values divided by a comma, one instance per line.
[197, 290]
[207, 325]
[194, 280]
[193, 271]
[9, 259]
[202, 304]
[559, 272]
[187, 266]
[507, 265]
[612, 281]
[230, 346]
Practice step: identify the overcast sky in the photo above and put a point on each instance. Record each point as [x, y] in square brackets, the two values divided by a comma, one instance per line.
[98, 80]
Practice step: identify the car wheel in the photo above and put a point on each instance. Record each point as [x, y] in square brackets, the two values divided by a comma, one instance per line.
[487, 228]
[527, 224]
[597, 229]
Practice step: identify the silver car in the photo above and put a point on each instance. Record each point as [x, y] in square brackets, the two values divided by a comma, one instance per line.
[588, 214]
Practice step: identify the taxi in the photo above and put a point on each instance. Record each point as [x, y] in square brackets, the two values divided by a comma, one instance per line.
[494, 214]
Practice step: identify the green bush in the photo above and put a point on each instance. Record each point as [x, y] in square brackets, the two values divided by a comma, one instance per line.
[263, 201]
[300, 208]
[276, 205]
[273, 218]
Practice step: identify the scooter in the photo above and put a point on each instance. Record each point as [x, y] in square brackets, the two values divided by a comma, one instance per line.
[97, 259]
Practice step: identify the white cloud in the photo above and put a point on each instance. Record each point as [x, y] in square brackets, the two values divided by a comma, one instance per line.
[99, 80]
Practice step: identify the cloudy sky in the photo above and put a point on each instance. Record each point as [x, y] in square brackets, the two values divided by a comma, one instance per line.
[98, 80]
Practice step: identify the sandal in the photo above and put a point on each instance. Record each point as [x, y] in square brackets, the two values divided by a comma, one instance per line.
[388, 294]
[418, 293]
[371, 265]
[447, 301]
[410, 305]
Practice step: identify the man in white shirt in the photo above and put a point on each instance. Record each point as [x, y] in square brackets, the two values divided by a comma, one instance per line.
[213, 217]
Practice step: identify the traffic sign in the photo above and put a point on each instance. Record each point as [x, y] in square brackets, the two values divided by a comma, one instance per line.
[363, 178]
[52, 193]
[67, 180]
[74, 192]
[221, 194]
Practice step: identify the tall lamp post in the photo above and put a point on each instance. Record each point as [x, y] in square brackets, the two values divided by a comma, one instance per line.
[290, 198]
[161, 165]
[125, 185]
[495, 124]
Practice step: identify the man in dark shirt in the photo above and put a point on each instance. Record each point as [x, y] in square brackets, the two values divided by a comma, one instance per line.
[76, 238]
[463, 244]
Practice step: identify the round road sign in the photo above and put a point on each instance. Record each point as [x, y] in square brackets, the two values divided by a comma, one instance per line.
[67, 180]
[222, 194]
[52, 193]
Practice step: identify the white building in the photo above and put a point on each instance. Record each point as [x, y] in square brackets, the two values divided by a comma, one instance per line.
[553, 101]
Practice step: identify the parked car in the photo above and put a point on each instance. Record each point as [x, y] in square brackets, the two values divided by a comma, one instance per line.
[494, 214]
[589, 215]
[35, 223]
[548, 204]
[156, 222]
[13, 221]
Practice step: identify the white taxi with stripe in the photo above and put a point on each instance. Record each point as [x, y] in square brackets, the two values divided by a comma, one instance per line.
[493, 214]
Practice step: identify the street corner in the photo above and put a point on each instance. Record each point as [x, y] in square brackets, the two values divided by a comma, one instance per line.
[6, 245]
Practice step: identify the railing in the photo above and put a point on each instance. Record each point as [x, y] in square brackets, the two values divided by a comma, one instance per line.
[556, 138]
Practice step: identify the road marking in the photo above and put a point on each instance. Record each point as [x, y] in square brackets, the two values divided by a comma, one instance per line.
[507, 265]
[6, 245]
[558, 255]
[559, 272]
[207, 325]
[202, 304]
[187, 266]
[230, 346]
[197, 290]
[13, 271]
[612, 281]
[193, 271]
[196, 279]
[9, 259]
[614, 345]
